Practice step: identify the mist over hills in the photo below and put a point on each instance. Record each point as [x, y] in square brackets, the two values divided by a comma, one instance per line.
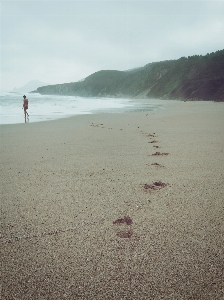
[30, 86]
[189, 78]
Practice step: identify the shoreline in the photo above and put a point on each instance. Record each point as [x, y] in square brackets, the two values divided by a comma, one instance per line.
[53, 108]
[89, 210]
[140, 105]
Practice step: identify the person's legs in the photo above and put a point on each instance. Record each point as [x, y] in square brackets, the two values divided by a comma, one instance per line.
[25, 114]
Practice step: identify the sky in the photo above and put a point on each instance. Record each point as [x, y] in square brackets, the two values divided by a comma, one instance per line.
[65, 41]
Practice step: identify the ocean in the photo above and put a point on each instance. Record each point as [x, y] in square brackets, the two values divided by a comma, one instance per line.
[51, 107]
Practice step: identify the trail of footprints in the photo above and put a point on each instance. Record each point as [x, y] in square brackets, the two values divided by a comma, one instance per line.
[123, 226]
[157, 184]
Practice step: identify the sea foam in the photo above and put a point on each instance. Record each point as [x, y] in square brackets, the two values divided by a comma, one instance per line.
[50, 107]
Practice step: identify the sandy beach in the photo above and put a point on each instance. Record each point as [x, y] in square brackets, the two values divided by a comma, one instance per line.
[115, 206]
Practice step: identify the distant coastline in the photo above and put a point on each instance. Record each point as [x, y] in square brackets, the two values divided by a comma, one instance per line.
[188, 78]
[30, 86]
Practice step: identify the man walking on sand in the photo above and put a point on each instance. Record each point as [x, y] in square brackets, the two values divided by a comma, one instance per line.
[25, 107]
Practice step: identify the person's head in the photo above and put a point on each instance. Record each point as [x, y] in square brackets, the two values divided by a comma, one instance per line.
[24, 96]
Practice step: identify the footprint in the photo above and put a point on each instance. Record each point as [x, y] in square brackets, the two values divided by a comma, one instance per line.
[155, 185]
[151, 135]
[123, 227]
[159, 153]
[126, 220]
[156, 164]
[97, 125]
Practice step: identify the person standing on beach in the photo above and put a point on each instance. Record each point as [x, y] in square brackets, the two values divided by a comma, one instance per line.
[25, 106]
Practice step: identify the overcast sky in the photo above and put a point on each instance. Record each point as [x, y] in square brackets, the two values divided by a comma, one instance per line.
[65, 41]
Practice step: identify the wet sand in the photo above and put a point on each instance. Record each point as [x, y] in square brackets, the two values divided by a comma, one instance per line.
[115, 206]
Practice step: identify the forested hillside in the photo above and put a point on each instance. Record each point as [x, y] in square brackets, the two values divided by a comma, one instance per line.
[189, 78]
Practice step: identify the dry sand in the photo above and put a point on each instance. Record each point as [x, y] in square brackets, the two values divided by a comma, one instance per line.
[83, 214]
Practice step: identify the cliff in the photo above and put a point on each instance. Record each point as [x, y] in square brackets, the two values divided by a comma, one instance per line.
[189, 78]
